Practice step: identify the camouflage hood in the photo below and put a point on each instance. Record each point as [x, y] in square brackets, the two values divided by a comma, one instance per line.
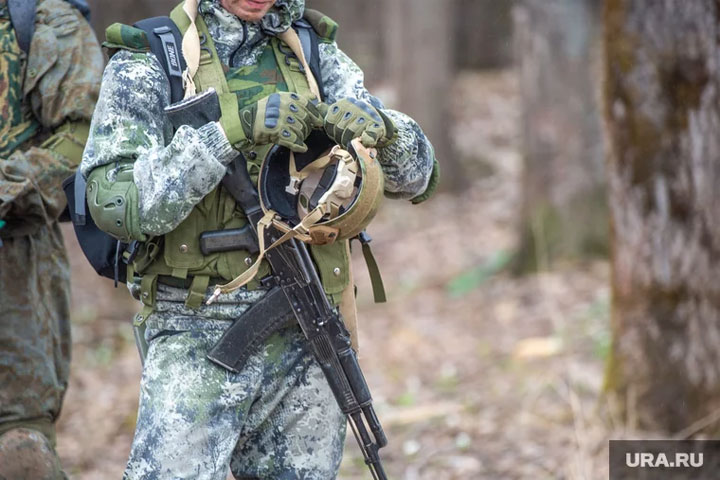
[282, 15]
[277, 20]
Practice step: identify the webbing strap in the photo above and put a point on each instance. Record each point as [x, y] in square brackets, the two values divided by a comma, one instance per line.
[197, 290]
[348, 304]
[148, 290]
[191, 47]
[69, 140]
[303, 228]
[376, 280]
[22, 16]
[317, 164]
[250, 273]
[210, 73]
[79, 213]
[291, 38]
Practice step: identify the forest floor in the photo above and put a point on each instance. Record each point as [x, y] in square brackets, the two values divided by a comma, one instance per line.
[476, 374]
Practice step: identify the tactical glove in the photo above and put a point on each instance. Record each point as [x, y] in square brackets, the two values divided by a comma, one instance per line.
[349, 118]
[284, 118]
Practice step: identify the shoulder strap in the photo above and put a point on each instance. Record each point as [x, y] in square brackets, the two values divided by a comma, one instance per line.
[22, 16]
[165, 40]
[309, 41]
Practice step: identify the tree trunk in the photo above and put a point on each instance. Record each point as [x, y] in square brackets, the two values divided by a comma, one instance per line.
[484, 34]
[423, 67]
[663, 119]
[107, 12]
[360, 34]
[564, 212]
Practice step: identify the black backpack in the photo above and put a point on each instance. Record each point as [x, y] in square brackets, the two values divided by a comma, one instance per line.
[108, 256]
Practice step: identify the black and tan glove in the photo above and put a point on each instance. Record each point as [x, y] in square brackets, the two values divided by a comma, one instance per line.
[283, 118]
[349, 118]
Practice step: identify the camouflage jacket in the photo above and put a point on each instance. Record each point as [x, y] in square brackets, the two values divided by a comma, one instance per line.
[59, 83]
[173, 173]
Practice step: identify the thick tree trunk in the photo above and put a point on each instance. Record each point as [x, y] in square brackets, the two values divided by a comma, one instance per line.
[663, 118]
[420, 56]
[564, 213]
[484, 34]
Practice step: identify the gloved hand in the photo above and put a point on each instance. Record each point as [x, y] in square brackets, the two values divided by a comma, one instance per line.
[282, 118]
[349, 118]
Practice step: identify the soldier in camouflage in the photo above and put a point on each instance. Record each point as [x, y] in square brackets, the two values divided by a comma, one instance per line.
[277, 418]
[46, 101]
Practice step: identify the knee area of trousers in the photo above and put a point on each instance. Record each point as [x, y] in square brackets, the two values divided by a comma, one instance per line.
[27, 454]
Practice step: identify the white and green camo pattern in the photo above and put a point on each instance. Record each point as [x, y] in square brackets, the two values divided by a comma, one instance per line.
[173, 173]
[275, 419]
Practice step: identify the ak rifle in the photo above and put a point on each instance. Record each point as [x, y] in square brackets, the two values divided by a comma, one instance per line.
[295, 285]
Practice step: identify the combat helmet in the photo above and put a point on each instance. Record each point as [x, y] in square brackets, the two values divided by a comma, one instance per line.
[324, 195]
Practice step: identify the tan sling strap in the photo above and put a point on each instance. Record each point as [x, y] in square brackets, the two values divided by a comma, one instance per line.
[301, 230]
[291, 38]
[191, 48]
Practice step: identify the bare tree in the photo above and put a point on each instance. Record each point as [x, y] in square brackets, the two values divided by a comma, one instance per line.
[420, 47]
[484, 34]
[360, 34]
[663, 118]
[564, 213]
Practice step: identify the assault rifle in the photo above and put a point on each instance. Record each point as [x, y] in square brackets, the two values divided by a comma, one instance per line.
[295, 284]
[294, 290]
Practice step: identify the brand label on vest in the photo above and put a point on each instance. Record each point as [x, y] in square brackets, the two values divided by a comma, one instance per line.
[171, 50]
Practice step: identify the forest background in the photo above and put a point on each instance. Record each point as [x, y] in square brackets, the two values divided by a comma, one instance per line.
[559, 290]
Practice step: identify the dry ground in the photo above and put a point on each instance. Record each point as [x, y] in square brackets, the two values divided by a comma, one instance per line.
[476, 374]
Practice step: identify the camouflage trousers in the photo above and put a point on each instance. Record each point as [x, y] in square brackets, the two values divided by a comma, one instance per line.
[34, 330]
[276, 419]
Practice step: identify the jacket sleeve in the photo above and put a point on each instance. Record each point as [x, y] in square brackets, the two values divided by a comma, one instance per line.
[62, 80]
[132, 153]
[409, 161]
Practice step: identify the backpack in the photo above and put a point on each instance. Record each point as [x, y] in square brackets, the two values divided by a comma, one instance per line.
[108, 256]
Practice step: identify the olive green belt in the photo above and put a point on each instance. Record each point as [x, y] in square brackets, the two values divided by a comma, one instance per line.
[185, 283]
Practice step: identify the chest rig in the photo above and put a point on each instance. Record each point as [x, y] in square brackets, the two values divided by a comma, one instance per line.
[175, 258]
[17, 123]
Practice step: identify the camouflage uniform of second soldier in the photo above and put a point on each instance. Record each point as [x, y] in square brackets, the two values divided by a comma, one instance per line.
[277, 418]
[46, 101]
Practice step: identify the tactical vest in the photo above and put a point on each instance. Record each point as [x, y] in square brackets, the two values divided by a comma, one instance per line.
[17, 123]
[175, 257]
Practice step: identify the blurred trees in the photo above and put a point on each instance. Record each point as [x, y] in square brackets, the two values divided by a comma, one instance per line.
[484, 33]
[564, 212]
[420, 65]
[663, 117]
[107, 12]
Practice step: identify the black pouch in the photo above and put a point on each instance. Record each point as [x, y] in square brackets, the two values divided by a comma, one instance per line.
[102, 251]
